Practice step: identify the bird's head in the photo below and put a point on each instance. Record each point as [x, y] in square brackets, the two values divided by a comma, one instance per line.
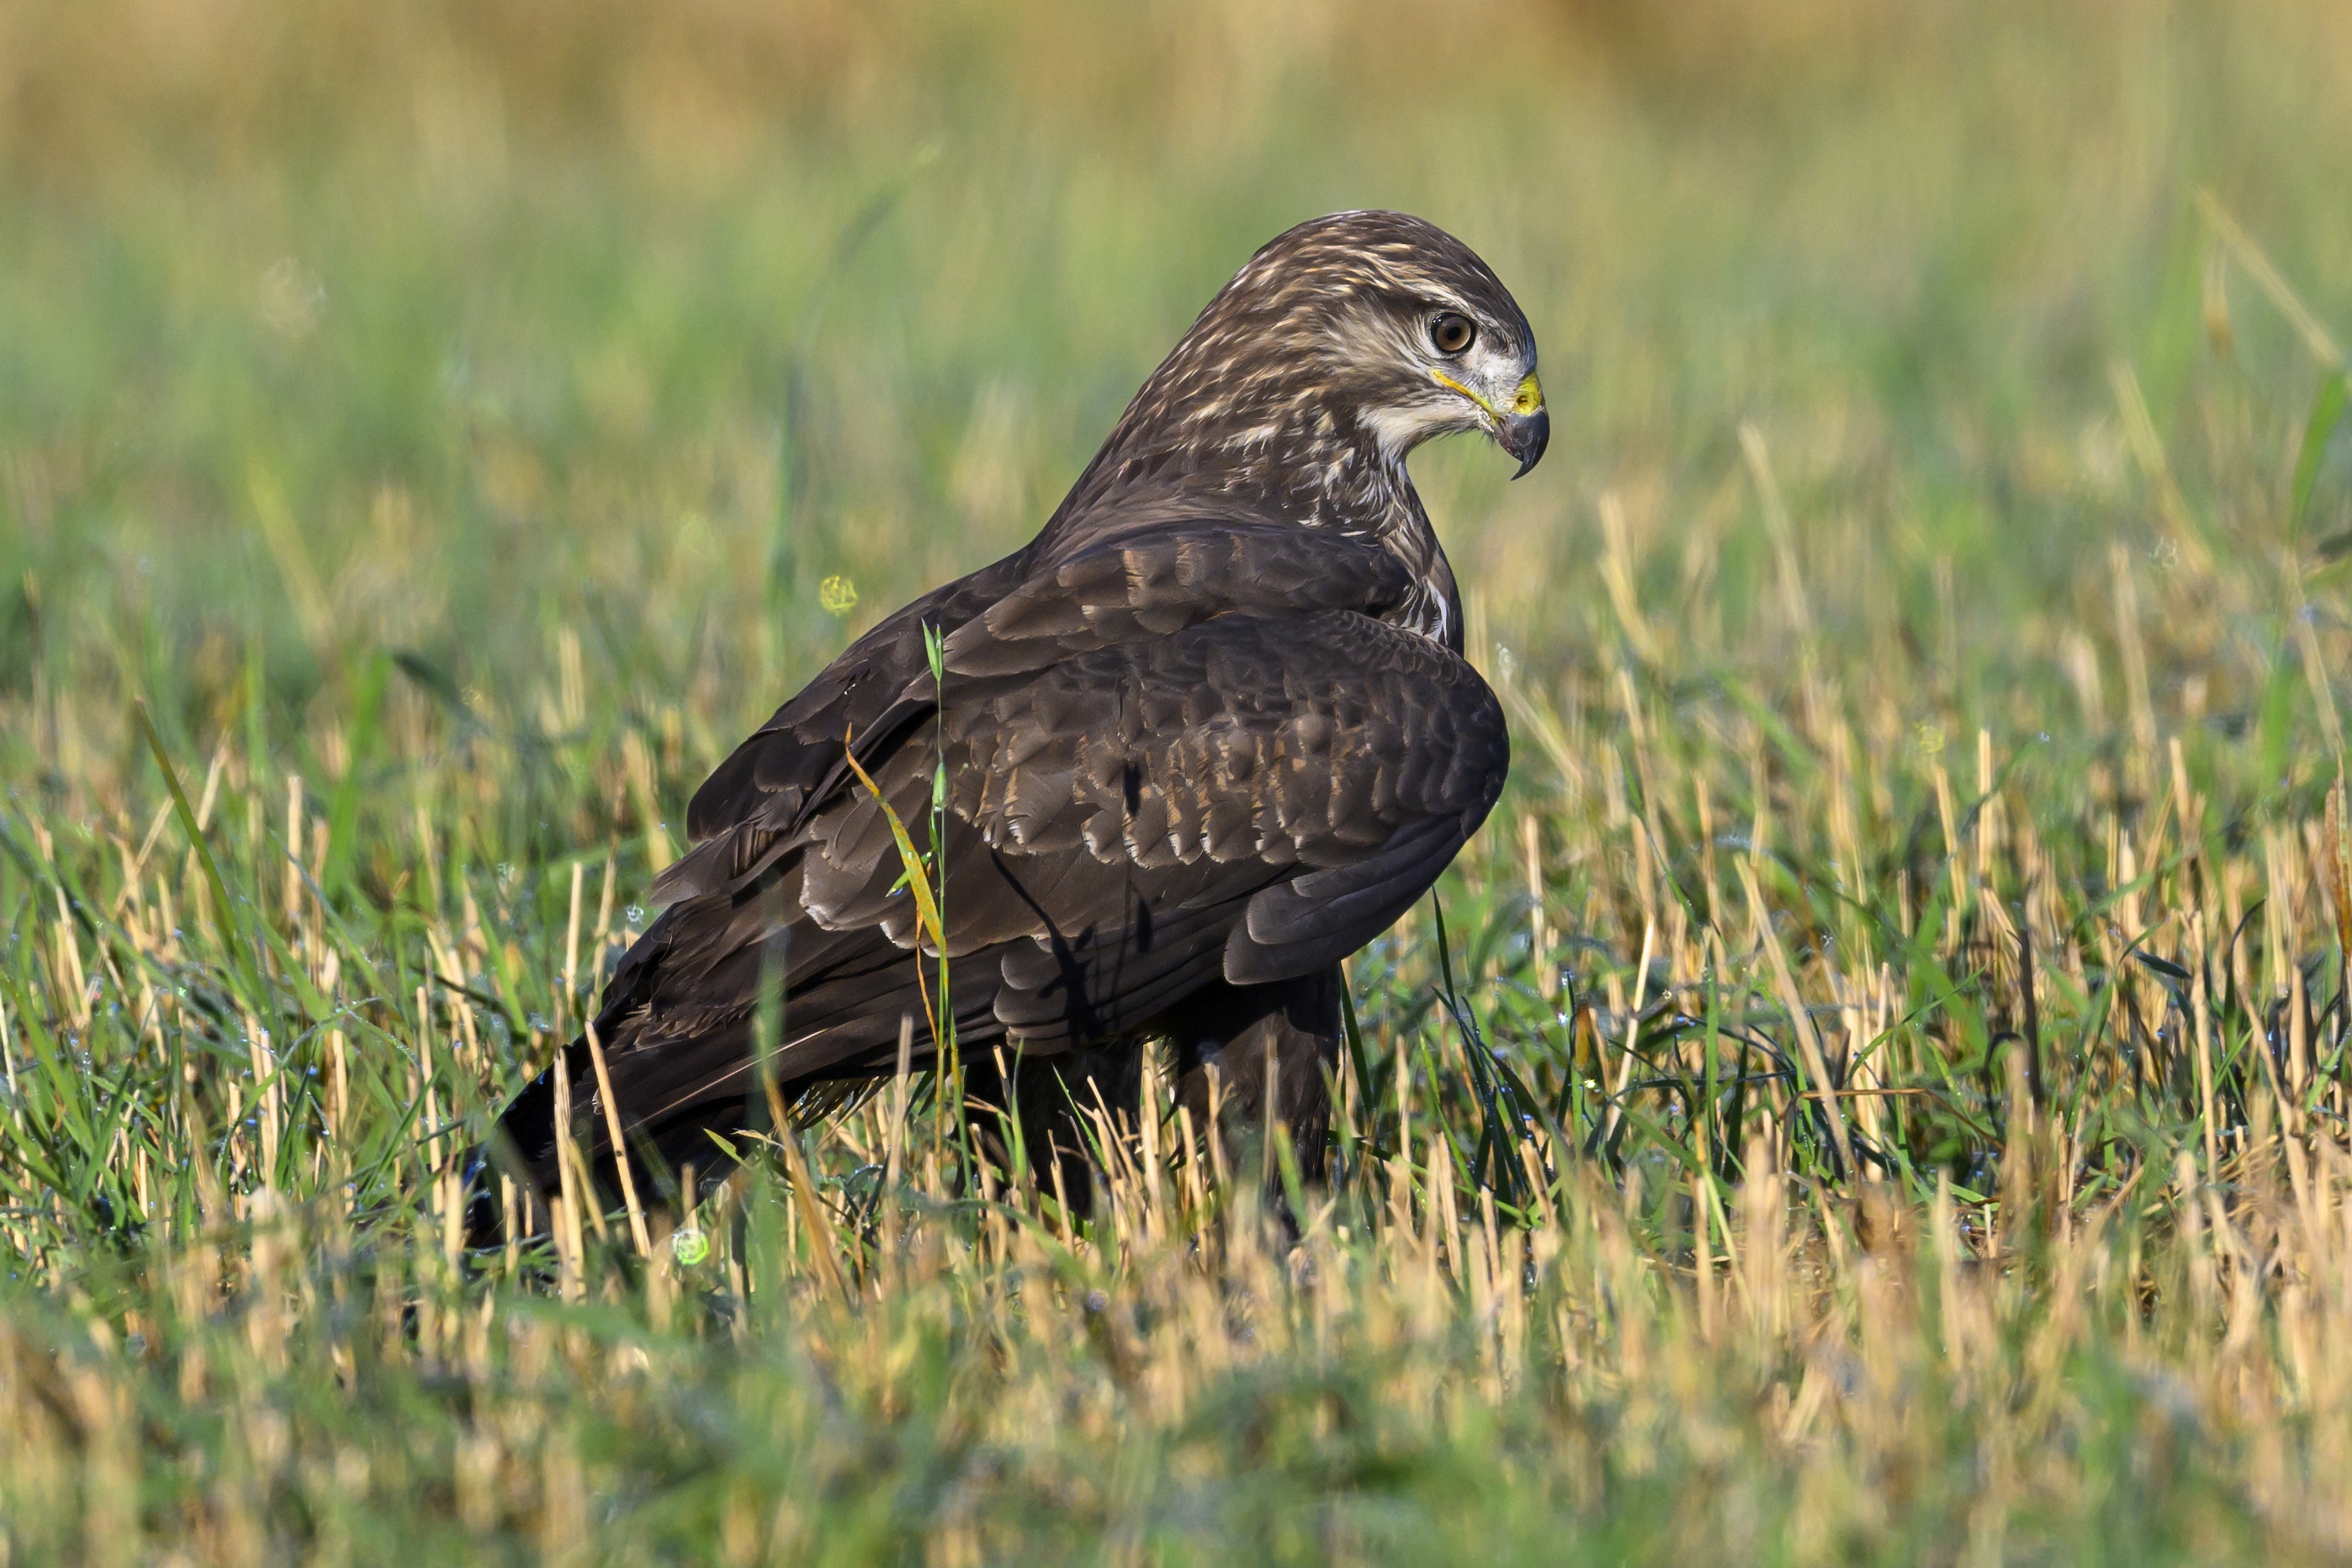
[1340, 347]
[1395, 320]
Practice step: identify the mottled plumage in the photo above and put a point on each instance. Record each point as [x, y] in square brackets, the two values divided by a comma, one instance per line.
[1207, 734]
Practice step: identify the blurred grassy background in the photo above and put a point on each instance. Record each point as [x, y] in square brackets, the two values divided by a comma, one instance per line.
[514, 315]
[461, 423]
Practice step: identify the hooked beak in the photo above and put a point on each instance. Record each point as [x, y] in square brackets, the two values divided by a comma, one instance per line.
[1523, 430]
[1526, 429]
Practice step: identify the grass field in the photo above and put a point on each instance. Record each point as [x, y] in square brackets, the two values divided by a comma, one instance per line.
[1877, 1090]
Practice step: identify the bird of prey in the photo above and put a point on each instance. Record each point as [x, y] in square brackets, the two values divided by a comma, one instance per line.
[1207, 734]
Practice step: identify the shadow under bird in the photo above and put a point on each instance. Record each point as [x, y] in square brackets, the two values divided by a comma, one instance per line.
[1207, 734]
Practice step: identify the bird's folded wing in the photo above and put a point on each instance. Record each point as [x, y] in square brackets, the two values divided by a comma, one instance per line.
[1246, 799]
[1248, 796]
[1157, 572]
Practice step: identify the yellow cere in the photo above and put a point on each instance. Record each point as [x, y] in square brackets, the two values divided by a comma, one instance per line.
[1529, 398]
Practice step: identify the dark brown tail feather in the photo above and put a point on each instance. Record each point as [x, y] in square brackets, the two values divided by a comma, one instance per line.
[674, 1098]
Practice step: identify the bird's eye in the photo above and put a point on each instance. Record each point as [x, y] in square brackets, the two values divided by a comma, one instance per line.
[1450, 333]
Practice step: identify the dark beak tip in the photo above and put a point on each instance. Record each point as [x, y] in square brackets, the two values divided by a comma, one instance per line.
[1529, 437]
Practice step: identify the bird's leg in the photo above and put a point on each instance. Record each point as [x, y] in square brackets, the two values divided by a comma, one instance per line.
[1060, 1099]
[1285, 1036]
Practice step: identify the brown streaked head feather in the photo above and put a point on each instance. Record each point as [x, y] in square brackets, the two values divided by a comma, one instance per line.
[1308, 379]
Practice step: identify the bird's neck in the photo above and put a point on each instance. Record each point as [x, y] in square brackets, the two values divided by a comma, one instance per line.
[1436, 608]
[1301, 464]
[1384, 506]
[1280, 454]
[1271, 452]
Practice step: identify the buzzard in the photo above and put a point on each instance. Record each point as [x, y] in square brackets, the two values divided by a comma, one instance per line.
[1207, 734]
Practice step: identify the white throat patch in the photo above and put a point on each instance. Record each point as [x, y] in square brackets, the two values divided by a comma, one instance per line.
[1400, 430]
